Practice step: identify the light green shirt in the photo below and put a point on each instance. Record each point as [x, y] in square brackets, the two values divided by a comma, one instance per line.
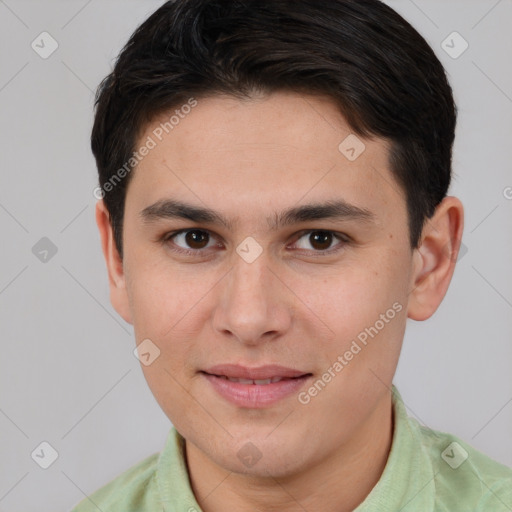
[426, 471]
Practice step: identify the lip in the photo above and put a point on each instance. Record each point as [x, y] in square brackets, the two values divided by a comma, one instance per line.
[255, 396]
[257, 373]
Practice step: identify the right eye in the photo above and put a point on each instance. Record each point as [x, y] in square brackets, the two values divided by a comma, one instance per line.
[190, 241]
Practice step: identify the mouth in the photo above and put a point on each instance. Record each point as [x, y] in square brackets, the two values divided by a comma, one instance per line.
[255, 387]
[259, 373]
[258, 382]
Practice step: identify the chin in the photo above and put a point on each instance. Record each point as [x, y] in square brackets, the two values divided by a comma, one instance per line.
[260, 457]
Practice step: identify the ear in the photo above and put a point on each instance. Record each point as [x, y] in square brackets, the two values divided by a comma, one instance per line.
[116, 275]
[435, 258]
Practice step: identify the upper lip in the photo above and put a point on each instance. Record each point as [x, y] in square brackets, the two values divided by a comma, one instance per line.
[236, 371]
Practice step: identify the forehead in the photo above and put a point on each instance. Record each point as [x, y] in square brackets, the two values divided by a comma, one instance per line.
[253, 154]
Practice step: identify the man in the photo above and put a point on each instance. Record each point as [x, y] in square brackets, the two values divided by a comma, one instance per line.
[273, 177]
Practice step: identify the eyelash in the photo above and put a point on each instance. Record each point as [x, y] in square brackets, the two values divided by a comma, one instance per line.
[344, 239]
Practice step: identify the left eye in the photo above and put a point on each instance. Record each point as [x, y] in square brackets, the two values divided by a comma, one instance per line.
[319, 240]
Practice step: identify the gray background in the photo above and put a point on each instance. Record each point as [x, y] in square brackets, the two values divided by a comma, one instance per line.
[68, 375]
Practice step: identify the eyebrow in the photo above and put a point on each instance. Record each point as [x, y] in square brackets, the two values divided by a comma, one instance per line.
[334, 209]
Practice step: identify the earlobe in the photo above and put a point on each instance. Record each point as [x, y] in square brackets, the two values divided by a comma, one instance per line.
[435, 259]
[114, 263]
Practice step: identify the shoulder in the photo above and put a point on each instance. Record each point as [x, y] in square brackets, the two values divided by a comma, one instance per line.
[133, 490]
[464, 476]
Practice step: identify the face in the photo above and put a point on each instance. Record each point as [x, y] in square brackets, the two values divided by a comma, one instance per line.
[288, 257]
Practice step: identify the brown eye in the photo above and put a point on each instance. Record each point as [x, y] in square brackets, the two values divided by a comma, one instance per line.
[320, 241]
[197, 239]
[191, 240]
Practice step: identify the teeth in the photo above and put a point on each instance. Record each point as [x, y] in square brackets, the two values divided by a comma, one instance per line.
[245, 381]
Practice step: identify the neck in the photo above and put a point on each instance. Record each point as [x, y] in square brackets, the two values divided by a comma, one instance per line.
[339, 482]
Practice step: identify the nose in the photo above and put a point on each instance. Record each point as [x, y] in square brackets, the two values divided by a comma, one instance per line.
[254, 304]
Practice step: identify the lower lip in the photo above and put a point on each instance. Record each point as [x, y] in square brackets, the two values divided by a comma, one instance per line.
[255, 396]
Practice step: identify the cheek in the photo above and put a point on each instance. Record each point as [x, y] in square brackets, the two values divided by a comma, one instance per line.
[351, 298]
[169, 308]
[162, 299]
[365, 308]
[166, 310]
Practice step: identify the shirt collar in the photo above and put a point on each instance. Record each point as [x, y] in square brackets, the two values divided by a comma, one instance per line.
[407, 482]
[172, 476]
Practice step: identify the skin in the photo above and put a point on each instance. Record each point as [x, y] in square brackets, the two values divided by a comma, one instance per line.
[291, 306]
